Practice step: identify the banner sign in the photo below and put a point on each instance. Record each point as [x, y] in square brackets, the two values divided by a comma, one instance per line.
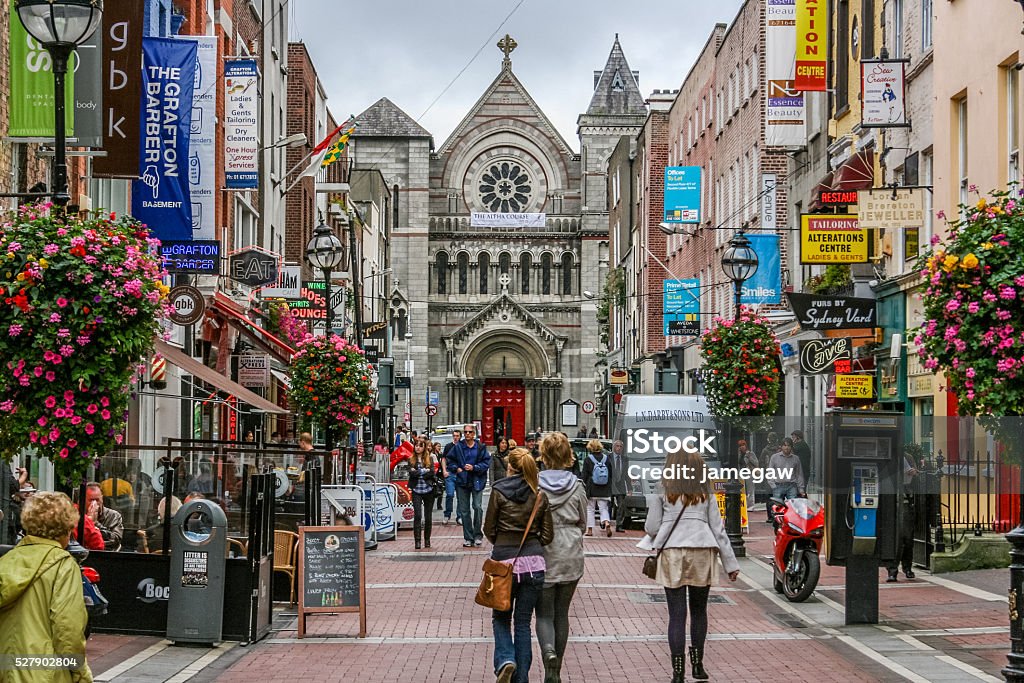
[784, 113]
[877, 210]
[681, 307]
[811, 55]
[241, 118]
[161, 198]
[31, 96]
[823, 356]
[884, 101]
[122, 66]
[818, 312]
[202, 172]
[482, 219]
[855, 386]
[254, 267]
[769, 202]
[682, 194]
[765, 287]
[201, 257]
[88, 77]
[828, 238]
[287, 285]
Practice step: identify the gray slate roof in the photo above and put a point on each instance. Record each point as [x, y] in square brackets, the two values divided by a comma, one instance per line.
[384, 118]
[617, 91]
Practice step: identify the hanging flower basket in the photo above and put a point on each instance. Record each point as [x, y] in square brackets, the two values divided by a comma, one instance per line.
[974, 306]
[80, 305]
[330, 382]
[741, 374]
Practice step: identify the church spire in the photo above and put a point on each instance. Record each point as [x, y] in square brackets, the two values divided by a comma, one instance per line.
[616, 88]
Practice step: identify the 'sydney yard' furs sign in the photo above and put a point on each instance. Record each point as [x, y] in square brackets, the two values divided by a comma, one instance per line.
[816, 312]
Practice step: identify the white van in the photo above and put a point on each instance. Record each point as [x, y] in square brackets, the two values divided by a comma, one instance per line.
[644, 422]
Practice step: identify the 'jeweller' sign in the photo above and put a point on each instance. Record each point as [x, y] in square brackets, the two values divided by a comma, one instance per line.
[817, 312]
[820, 356]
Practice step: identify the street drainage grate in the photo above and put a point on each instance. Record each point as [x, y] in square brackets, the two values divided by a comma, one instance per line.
[651, 598]
[423, 558]
[788, 620]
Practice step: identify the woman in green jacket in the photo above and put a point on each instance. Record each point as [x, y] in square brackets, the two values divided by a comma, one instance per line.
[42, 610]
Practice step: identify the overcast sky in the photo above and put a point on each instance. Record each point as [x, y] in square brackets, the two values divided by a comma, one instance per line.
[409, 50]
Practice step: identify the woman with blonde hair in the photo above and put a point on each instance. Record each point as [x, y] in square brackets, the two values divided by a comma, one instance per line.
[563, 557]
[598, 476]
[422, 474]
[518, 523]
[684, 525]
[42, 612]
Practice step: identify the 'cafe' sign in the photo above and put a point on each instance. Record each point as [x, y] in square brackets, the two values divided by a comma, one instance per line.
[817, 312]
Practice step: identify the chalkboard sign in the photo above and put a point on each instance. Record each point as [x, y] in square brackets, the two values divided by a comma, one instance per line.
[331, 573]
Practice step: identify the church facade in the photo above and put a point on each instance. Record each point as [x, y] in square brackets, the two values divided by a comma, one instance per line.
[500, 251]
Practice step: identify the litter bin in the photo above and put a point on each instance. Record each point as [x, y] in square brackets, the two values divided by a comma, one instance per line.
[195, 610]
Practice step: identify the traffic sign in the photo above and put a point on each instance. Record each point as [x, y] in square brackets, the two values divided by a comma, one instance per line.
[431, 411]
[588, 407]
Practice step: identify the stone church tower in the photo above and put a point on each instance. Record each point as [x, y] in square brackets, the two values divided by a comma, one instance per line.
[500, 310]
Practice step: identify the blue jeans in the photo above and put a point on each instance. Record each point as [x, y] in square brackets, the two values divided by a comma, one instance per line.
[472, 525]
[518, 648]
[449, 496]
[785, 491]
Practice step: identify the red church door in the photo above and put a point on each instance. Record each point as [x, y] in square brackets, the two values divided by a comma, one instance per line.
[504, 410]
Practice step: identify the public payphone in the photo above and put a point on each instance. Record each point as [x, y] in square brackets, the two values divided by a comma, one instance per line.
[863, 487]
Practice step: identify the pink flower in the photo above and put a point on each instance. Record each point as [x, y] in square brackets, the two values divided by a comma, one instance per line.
[75, 420]
[105, 414]
[62, 302]
[973, 307]
[941, 215]
[41, 421]
[89, 428]
[55, 317]
[14, 330]
[104, 401]
[92, 408]
[50, 375]
[50, 402]
[63, 452]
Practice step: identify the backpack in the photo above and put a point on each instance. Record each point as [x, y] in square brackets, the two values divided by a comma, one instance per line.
[600, 473]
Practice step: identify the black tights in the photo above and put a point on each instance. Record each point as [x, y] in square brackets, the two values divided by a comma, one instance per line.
[553, 616]
[677, 617]
[423, 511]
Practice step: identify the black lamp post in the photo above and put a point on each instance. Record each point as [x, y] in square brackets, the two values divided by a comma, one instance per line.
[326, 252]
[60, 26]
[1014, 669]
[739, 263]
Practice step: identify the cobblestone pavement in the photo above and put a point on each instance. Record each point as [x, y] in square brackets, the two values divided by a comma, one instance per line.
[424, 626]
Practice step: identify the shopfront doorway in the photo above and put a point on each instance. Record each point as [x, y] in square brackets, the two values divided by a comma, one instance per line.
[504, 410]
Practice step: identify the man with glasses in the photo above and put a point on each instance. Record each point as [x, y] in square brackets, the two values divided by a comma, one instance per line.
[449, 479]
[469, 461]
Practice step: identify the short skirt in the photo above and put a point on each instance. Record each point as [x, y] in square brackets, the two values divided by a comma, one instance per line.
[688, 567]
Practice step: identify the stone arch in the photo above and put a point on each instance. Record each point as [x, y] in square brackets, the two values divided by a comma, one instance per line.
[536, 362]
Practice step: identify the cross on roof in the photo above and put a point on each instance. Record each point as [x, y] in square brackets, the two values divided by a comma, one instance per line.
[507, 45]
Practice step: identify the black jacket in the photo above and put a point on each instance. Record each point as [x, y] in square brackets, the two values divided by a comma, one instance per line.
[508, 511]
[415, 476]
[597, 490]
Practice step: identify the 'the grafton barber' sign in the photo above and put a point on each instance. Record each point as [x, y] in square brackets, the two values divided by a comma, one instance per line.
[816, 312]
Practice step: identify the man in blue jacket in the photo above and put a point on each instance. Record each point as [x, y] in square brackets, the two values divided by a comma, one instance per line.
[469, 461]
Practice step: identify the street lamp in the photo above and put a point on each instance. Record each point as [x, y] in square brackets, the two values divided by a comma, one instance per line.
[60, 26]
[326, 252]
[739, 263]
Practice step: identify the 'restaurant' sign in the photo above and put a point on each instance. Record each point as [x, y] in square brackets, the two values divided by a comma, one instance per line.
[829, 239]
[820, 356]
[817, 312]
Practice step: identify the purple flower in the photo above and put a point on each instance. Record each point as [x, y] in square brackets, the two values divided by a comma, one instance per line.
[973, 307]
[55, 317]
[972, 188]
[14, 330]
[952, 305]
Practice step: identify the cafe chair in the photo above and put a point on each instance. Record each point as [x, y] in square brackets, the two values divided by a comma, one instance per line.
[285, 545]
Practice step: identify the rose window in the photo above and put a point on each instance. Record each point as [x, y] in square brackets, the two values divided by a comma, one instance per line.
[505, 187]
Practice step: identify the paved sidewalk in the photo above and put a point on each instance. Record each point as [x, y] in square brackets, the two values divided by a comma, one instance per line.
[424, 626]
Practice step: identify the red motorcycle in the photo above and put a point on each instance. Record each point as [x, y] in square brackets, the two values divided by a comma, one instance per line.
[799, 531]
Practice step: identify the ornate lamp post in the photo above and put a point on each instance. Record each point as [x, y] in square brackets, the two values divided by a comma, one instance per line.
[739, 263]
[326, 252]
[60, 26]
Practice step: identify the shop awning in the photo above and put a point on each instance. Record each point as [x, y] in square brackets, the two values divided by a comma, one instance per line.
[211, 376]
[282, 378]
[236, 317]
[856, 173]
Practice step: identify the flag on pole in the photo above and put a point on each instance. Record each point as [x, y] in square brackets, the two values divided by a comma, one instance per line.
[334, 153]
[316, 157]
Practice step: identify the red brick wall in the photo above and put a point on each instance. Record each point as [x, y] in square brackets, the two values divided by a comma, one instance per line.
[301, 201]
[655, 145]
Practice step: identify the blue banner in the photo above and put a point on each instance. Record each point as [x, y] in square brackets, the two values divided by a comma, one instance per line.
[682, 194]
[681, 307]
[161, 197]
[766, 285]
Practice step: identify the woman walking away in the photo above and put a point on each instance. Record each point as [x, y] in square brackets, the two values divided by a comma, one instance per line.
[687, 530]
[598, 475]
[41, 608]
[563, 557]
[499, 461]
[518, 523]
[422, 473]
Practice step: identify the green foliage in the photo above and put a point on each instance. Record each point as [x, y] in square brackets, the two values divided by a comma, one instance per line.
[741, 374]
[330, 382]
[835, 278]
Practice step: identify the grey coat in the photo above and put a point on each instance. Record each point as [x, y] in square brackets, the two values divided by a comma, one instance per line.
[620, 469]
[567, 497]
